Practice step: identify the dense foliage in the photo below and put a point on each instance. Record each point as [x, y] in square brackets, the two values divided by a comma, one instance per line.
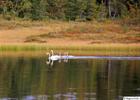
[69, 9]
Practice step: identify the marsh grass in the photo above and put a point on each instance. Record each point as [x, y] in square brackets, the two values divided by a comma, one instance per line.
[96, 49]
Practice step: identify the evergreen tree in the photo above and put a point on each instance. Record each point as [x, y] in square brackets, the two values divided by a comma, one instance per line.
[75, 9]
[90, 9]
[55, 9]
[69, 9]
[24, 9]
[38, 9]
[119, 9]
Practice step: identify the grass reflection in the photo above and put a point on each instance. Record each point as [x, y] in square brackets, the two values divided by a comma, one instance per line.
[25, 77]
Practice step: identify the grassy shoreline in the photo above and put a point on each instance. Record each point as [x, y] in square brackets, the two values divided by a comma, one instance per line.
[109, 31]
[118, 37]
[95, 49]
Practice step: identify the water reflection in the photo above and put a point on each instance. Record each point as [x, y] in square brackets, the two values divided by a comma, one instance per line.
[29, 78]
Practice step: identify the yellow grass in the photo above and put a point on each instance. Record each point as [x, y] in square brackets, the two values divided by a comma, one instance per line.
[44, 31]
[96, 49]
[99, 38]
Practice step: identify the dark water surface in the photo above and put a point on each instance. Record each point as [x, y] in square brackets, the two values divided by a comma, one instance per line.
[29, 78]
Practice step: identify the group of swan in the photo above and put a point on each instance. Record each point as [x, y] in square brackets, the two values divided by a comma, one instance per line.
[53, 57]
[59, 57]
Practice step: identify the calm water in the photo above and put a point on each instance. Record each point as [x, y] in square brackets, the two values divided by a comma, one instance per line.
[29, 78]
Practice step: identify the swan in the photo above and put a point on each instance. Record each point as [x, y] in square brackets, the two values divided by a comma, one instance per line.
[53, 57]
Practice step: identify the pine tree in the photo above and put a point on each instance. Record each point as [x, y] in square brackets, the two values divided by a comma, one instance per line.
[75, 9]
[71, 10]
[55, 9]
[24, 8]
[120, 8]
[90, 8]
[38, 9]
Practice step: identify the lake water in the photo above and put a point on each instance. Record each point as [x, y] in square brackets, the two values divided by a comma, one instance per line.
[30, 78]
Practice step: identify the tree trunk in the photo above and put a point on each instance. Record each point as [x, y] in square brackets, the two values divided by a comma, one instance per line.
[107, 3]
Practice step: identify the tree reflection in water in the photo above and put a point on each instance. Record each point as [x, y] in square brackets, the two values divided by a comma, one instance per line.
[29, 78]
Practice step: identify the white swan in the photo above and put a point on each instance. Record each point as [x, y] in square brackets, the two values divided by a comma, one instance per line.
[53, 57]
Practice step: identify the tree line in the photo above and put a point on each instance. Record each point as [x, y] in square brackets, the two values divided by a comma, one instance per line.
[85, 10]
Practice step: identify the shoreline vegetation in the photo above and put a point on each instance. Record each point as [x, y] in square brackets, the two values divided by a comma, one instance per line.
[85, 25]
[108, 37]
[123, 31]
[95, 49]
